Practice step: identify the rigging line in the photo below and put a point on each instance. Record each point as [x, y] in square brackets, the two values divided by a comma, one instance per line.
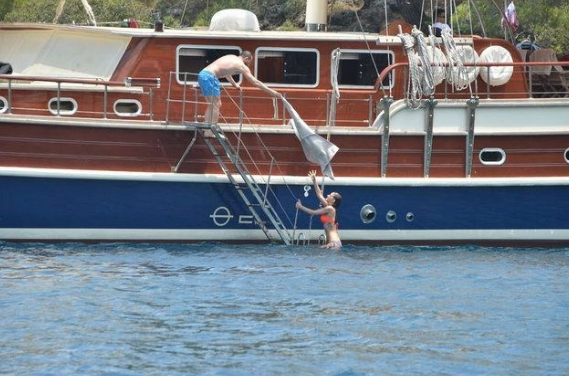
[183, 13]
[366, 42]
[479, 17]
[388, 48]
[470, 18]
[369, 49]
[451, 2]
[506, 29]
[266, 149]
[422, 15]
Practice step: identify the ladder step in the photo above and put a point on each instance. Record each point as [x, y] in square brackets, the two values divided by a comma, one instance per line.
[232, 165]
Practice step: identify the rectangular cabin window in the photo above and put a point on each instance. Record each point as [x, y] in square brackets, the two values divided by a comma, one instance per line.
[287, 67]
[192, 59]
[357, 70]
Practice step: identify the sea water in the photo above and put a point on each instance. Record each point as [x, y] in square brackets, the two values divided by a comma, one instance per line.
[211, 309]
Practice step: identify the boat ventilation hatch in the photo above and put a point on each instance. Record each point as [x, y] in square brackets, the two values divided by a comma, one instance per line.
[390, 216]
[4, 106]
[127, 107]
[62, 106]
[368, 214]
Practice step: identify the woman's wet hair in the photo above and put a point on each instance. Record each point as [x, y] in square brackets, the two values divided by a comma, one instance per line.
[337, 200]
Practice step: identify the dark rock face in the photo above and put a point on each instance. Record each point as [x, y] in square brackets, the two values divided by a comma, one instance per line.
[371, 16]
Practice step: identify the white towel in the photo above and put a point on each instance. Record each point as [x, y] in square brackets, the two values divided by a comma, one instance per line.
[316, 148]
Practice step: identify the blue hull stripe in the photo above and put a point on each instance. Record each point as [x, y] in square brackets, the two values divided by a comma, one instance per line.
[162, 207]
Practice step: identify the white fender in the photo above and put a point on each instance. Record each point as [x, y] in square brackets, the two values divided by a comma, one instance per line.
[463, 76]
[495, 76]
[438, 58]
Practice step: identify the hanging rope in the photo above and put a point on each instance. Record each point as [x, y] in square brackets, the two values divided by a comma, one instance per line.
[438, 60]
[335, 90]
[414, 90]
[426, 63]
[456, 70]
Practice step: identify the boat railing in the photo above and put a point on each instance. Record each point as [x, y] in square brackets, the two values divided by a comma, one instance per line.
[186, 104]
[536, 84]
[17, 83]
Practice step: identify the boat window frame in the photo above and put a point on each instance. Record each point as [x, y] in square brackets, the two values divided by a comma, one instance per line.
[5, 105]
[289, 49]
[565, 153]
[223, 81]
[359, 51]
[492, 150]
[61, 111]
[123, 100]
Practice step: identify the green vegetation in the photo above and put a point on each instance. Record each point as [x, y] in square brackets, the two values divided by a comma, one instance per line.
[544, 22]
[44, 11]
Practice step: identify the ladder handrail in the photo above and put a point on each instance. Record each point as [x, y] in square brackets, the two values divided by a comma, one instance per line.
[258, 194]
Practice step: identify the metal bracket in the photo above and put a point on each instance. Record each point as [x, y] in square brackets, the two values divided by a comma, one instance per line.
[471, 104]
[430, 104]
[386, 102]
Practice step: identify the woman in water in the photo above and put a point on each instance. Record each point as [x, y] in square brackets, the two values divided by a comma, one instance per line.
[327, 213]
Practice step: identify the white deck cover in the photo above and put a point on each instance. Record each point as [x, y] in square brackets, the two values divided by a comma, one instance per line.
[62, 53]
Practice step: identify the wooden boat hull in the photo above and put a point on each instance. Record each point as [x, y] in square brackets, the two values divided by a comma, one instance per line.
[107, 143]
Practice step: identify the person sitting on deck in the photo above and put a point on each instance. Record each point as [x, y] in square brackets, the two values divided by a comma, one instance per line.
[327, 213]
[225, 67]
[441, 24]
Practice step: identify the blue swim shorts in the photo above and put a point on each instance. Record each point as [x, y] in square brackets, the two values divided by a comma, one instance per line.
[209, 84]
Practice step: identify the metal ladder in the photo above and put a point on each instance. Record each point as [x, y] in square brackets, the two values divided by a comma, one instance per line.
[249, 191]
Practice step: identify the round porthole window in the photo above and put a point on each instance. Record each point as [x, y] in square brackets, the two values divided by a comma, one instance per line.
[390, 216]
[3, 105]
[62, 106]
[492, 156]
[127, 107]
[410, 217]
[368, 214]
[566, 155]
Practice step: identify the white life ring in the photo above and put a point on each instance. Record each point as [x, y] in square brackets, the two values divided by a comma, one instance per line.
[464, 76]
[496, 76]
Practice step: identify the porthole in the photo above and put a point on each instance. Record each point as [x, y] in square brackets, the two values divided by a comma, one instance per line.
[390, 216]
[410, 217]
[492, 156]
[368, 214]
[566, 155]
[62, 106]
[3, 105]
[127, 107]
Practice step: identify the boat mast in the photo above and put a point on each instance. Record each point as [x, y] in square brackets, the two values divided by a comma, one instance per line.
[86, 5]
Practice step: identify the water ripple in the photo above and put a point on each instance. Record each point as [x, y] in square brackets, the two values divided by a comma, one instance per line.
[211, 309]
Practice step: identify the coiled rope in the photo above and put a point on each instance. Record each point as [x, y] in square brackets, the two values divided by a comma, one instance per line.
[428, 86]
[414, 89]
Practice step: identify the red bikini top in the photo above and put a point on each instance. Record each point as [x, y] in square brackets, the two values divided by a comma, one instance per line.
[325, 219]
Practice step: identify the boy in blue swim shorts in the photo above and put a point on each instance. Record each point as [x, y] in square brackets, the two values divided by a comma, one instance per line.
[225, 67]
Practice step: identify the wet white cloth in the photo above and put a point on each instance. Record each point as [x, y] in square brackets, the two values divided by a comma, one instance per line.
[316, 148]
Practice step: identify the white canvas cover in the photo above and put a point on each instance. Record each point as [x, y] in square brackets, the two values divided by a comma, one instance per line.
[62, 53]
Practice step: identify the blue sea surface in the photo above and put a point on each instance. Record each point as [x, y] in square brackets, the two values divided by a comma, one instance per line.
[213, 309]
